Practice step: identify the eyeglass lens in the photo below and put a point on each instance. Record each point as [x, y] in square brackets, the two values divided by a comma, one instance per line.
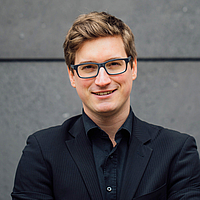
[112, 67]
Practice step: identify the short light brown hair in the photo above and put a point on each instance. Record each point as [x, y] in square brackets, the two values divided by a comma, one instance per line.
[93, 25]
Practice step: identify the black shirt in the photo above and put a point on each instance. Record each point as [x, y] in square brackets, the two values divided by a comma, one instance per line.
[109, 160]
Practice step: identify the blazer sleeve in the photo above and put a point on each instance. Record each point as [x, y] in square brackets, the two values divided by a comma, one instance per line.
[185, 178]
[32, 180]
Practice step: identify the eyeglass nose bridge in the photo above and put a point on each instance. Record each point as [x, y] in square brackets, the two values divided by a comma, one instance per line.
[102, 65]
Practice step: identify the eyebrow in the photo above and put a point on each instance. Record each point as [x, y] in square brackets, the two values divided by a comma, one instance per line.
[98, 62]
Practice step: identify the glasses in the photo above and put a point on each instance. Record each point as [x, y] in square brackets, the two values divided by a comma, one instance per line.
[112, 67]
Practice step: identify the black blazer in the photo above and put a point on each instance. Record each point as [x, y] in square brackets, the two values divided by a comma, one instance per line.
[58, 164]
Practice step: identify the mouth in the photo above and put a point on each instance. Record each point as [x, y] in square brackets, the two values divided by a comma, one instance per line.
[104, 93]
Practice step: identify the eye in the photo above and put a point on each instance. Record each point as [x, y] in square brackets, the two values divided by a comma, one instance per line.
[114, 64]
[88, 67]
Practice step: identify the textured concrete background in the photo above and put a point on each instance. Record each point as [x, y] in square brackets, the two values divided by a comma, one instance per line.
[161, 27]
[35, 95]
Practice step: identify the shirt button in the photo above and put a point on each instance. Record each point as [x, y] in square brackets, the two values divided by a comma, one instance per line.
[109, 189]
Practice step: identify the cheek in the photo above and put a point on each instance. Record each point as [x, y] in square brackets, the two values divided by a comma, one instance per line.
[82, 85]
[126, 83]
[125, 79]
[128, 87]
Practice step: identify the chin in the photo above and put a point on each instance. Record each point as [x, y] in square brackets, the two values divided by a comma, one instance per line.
[105, 109]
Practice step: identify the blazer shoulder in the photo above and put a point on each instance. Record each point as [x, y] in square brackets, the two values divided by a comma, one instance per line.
[56, 132]
[160, 132]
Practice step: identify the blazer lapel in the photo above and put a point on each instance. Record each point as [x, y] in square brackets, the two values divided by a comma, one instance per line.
[81, 152]
[137, 161]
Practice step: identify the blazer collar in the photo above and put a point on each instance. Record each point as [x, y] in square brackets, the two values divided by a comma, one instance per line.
[141, 130]
[81, 151]
[137, 160]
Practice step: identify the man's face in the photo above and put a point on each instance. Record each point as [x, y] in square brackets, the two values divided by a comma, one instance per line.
[105, 94]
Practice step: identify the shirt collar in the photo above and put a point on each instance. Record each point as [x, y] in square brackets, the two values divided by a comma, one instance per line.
[89, 124]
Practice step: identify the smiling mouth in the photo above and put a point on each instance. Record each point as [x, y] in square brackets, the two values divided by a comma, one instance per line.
[103, 93]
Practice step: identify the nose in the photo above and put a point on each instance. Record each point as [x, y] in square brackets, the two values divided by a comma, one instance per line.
[102, 79]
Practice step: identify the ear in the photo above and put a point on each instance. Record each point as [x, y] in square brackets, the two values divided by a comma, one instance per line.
[134, 69]
[71, 77]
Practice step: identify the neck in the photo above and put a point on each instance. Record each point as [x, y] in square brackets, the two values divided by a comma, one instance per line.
[110, 122]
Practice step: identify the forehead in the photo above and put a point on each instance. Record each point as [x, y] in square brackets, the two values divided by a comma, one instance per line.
[100, 50]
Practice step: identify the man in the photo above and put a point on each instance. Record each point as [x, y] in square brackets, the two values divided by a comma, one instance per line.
[107, 152]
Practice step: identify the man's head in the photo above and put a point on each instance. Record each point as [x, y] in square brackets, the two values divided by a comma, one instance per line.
[94, 25]
[100, 48]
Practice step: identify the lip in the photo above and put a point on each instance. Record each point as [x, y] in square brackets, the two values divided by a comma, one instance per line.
[104, 93]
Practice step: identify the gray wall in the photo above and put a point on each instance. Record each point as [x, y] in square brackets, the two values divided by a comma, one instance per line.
[35, 95]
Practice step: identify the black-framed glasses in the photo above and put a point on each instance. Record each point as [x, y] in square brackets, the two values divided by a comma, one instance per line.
[112, 67]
